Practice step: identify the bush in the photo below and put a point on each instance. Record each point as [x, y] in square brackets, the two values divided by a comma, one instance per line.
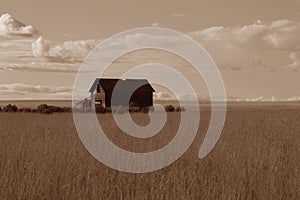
[34, 110]
[108, 109]
[180, 109]
[45, 109]
[145, 109]
[100, 109]
[10, 108]
[25, 110]
[134, 109]
[120, 109]
[169, 108]
[134, 104]
[56, 109]
[67, 109]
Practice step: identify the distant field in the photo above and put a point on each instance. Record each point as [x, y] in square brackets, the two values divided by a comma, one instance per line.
[204, 104]
[34, 104]
[257, 157]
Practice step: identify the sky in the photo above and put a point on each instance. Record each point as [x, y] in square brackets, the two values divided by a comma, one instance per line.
[255, 44]
[99, 19]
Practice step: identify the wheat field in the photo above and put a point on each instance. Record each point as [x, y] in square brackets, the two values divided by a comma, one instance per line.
[257, 157]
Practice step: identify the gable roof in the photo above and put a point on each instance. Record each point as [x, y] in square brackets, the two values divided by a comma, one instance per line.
[108, 84]
[94, 85]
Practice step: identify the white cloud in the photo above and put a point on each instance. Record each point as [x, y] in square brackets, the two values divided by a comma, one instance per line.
[73, 51]
[163, 96]
[12, 27]
[257, 49]
[295, 60]
[155, 24]
[179, 15]
[23, 88]
[33, 92]
[39, 47]
[269, 99]
[257, 46]
[283, 34]
[293, 98]
[239, 48]
[41, 66]
[277, 34]
[233, 35]
[24, 91]
[69, 51]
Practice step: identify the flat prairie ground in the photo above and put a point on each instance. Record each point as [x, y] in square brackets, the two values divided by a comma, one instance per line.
[256, 157]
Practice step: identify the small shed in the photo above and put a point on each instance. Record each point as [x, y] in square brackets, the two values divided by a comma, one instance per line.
[102, 90]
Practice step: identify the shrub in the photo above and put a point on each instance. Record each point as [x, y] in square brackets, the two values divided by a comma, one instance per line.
[134, 109]
[180, 109]
[34, 110]
[44, 109]
[134, 104]
[169, 108]
[56, 109]
[120, 109]
[151, 108]
[10, 108]
[145, 109]
[108, 109]
[100, 109]
[67, 109]
[25, 110]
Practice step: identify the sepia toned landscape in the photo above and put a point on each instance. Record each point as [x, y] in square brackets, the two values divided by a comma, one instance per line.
[257, 157]
[70, 70]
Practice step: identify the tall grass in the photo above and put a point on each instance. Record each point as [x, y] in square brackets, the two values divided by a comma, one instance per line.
[257, 157]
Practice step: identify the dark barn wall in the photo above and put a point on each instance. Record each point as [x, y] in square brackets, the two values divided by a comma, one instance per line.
[142, 98]
[108, 99]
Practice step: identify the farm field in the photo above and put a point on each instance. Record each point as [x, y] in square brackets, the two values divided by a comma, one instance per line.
[256, 157]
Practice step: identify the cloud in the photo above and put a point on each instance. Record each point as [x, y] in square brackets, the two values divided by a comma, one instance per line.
[178, 15]
[243, 48]
[69, 51]
[269, 99]
[283, 34]
[12, 27]
[277, 34]
[33, 92]
[257, 46]
[39, 47]
[163, 96]
[73, 51]
[295, 60]
[23, 88]
[41, 66]
[297, 98]
[155, 24]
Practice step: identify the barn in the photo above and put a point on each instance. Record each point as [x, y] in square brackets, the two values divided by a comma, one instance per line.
[102, 90]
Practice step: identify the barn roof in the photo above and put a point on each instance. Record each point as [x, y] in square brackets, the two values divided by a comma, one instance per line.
[109, 84]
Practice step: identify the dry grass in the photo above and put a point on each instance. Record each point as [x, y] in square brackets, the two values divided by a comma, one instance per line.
[257, 157]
